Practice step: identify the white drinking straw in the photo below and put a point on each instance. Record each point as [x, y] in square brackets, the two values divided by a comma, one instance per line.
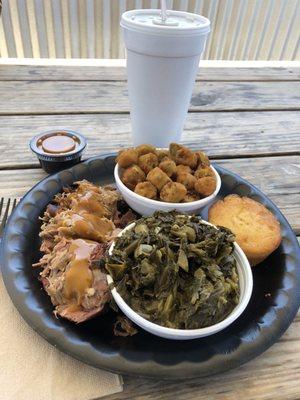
[163, 7]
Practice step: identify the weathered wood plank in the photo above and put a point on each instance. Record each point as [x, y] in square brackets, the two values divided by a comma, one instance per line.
[59, 97]
[272, 376]
[118, 73]
[221, 134]
[277, 177]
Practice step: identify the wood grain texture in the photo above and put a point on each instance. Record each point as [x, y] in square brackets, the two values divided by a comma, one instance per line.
[272, 376]
[221, 134]
[101, 73]
[261, 145]
[277, 177]
[59, 97]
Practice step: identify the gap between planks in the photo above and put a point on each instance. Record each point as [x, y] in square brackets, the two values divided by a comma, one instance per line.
[10, 114]
[125, 80]
[222, 157]
[115, 70]
[221, 135]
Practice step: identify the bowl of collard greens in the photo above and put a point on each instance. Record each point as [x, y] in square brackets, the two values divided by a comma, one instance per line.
[177, 276]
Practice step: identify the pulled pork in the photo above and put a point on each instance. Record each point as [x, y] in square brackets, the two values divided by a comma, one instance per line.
[84, 212]
[87, 297]
[77, 230]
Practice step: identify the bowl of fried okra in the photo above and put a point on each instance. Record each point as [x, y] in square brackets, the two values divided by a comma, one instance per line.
[176, 178]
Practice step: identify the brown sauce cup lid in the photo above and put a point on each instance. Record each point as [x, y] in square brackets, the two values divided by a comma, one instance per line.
[58, 145]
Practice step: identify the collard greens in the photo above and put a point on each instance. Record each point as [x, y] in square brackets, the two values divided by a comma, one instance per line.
[176, 271]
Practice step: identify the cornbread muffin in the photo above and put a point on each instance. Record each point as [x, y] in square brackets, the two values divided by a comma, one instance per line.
[257, 230]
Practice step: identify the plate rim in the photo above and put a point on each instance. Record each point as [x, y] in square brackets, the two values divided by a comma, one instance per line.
[117, 363]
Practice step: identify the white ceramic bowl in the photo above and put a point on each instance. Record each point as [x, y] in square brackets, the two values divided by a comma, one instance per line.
[145, 206]
[246, 286]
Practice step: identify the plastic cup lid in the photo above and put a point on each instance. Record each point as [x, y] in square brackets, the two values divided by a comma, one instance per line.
[177, 22]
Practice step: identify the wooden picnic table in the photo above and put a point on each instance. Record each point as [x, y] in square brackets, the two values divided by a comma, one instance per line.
[245, 118]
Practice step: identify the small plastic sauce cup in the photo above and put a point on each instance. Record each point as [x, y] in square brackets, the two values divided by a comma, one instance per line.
[57, 150]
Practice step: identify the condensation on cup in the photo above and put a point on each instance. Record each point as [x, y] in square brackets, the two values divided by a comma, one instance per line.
[162, 62]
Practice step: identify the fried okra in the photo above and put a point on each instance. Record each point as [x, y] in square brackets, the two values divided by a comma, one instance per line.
[162, 154]
[173, 149]
[183, 155]
[145, 149]
[205, 186]
[132, 176]
[127, 157]
[147, 162]
[158, 178]
[177, 174]
[188, 180]
[146, 189]
[204, 171]
[183, 169]
[168, 166]
[173, 192]
[191, 196]
[202, 159]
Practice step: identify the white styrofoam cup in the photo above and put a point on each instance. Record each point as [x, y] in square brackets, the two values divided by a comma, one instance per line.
[162, 63]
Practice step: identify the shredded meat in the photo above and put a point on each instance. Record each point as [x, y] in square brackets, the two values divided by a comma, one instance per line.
[55, 266]
[77, 230]
[124, 327]
[81, 213]
[99, 200]
[85, 212]
[121, 220]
